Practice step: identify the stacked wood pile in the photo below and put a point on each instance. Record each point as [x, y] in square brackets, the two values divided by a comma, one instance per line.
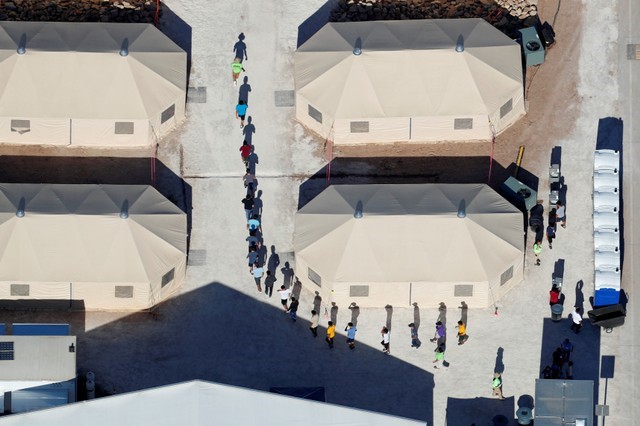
[143, 11]
[505, 15]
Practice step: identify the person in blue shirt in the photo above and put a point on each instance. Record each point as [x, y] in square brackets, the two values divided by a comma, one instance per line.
[241, 112]
[351, 335]
[253, 224]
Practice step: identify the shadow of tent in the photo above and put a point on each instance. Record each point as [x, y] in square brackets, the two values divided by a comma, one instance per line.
[479, 411]
[313, 23]
[363, 170]
[219, 334]
[178, 31]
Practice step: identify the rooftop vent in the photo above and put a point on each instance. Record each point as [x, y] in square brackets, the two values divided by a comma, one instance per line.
[22, 44]
[460, 44]
[20, 211]
[462, 209]
[124, 49]
[124, 210]
[357, 50]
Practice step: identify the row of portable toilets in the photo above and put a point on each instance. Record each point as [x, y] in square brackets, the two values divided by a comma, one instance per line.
[607, 187]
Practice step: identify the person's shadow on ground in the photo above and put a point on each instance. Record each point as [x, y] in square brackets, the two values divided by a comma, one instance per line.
[317, 301]
[240, 48]
[249, 130]
[579, 295]
[287, 276]
[464, 310]
[254, 160]
[243, 91]
[355, 313]
[499, 366]
[334, 313]
[274, 261]
[389, 310]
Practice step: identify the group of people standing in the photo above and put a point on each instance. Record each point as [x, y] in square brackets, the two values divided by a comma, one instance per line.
[556, 215]
[562, 365]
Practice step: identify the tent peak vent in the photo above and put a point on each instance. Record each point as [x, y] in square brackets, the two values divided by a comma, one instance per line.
[20, 211]
[124, 49]
[357, 49]
[460, 44]
[124, 210]
[22, 44]
[462, 209]
[359, 209]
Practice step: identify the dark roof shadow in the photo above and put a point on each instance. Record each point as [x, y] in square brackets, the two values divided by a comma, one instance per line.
[219, 334]
[178, 31]
[480, 411]
[363, 170]
[313, 23]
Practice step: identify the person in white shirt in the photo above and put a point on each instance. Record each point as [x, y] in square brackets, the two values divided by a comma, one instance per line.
[284, 297]
[314, 323]
[576, 320]
[385, 340]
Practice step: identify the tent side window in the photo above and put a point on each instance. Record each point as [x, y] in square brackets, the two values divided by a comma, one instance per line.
[21, 126]
[506, 108]
[359, 291]
[168, 113]
[19, 289]
[506, 275]
[6, 351]
[124, 291]
[314, 277]
[463, 290]
[359, 127]
[463, 123]
[123, 128]
[168, 277]
[315, 114]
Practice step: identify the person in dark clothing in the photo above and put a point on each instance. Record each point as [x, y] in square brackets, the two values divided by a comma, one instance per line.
[268, 283]
[567, 348]
[293, 309]
[551, 234]
[558, 357]
[248, 205]
[555, 371]
[552, 218]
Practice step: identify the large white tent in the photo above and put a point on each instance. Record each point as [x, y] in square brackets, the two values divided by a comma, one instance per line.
[424, 243]
[408, 81]
[115, 247]
[199, 403]
[89, 84]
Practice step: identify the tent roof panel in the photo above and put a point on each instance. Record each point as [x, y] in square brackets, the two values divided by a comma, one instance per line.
[395, 75]
[203, 403]
[74, 70]
[74, 233]
[409, 233]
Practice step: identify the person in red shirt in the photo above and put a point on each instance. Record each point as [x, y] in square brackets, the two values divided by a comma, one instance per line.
[245, 153]
[554, 296]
